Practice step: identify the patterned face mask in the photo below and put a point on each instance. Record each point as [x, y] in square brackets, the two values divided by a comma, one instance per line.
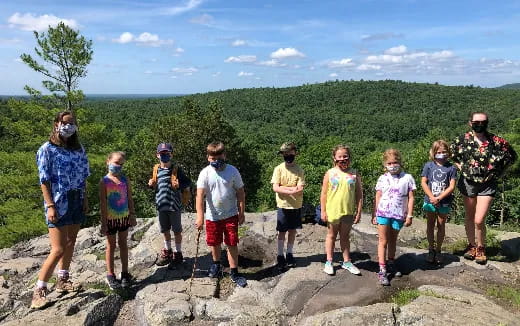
[441, 156]
[67, 130]
[116, 169]
[393, 168]
[217, 164]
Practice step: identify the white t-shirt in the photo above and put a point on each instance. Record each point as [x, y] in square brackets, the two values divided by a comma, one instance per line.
[221, 191]
[394, 199]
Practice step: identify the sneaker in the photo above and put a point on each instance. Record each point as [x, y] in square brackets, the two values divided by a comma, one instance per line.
[178, 258]
[126, 279]
[470, 252]
[391, 269]
[383, 280]
[239, 280]
[480, 257]
[438, 258]
[214, 270]
[431, 256]
[329, 269]
[165, 257]
[280, 262]
[39, 298]
[290, 260]
[113, 284]
[65, 285]
[350, 267]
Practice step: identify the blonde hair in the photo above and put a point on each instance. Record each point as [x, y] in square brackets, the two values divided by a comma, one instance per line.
[120, 153]
[435, 147]
[215, 148]
[337, 148]
[392, 153]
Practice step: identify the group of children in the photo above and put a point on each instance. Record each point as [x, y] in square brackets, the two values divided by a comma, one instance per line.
[220, 201]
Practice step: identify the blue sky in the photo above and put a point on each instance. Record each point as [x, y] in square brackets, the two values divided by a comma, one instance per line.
[189, 46]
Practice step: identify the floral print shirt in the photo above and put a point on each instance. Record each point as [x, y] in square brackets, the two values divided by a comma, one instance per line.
[65, 169]
[482, 162]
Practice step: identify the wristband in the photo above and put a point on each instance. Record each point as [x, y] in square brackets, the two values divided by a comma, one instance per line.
[49, 205]
[409, 216]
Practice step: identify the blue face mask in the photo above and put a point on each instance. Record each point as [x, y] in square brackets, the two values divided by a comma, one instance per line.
[115, 169]
[165, 158]
[218, 164]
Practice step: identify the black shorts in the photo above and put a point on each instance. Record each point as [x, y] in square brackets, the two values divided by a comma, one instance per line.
[288, 219]
[119, 225]
[473, 189]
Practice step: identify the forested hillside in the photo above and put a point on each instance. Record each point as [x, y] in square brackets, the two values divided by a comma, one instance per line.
[368, 115]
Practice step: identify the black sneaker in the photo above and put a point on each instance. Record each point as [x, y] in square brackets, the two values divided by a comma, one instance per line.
[178, 258]
[126, 279]
[113, 284]
[239, 280]
[214, 270]
[391, 269]
[290, 260]
[280, 262]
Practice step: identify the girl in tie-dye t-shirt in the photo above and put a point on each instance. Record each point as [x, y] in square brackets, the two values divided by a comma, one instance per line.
[117, 215]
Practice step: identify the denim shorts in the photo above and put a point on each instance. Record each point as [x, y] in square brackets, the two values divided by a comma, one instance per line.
[428, 207]
[394, 223]
[74, 214]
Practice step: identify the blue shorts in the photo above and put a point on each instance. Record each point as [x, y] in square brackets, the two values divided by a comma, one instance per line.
[288, 219]
[428, 207]
[394, 223]
[74, 214]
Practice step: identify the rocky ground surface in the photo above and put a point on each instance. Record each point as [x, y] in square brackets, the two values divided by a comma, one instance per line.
[454, 293]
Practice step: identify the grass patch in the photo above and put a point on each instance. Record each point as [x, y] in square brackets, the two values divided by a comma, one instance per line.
[242, 230]
[404, 297]
[493, 247]
[138, 235]
[505, 293]
[100, 254]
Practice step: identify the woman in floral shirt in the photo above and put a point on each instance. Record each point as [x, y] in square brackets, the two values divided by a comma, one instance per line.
[63, 169]
[482, 158]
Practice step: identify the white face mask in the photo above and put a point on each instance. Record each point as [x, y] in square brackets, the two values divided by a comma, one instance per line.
[393, 168]
[66, 130]
[441, 156]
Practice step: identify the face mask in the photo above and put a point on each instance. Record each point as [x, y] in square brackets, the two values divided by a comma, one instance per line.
[342, 163]
[393, 168]
[165, 158]
[66, 130]
[441, 156]
[217, 164]
[115, 169]
[289, 158]
[479, 128]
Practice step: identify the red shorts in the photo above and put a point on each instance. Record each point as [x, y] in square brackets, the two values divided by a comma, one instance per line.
[227, 227]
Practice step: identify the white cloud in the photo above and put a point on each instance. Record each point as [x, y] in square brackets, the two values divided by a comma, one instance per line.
[401, 49]
[272, 63]
[365, 67]
[333, 75]
[384, 58]
[179, 50]
[287, 53]
[237, 43]
[145, 39]
[203, 19]
[148, 72]
[5, 41]
[30, 22]
[216, 74]
[241, 59]
[380, 36]
[191, 4]
[245, 74]
[345, 62]
[186, 71]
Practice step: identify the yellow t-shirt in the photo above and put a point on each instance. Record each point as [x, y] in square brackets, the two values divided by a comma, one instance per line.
[288, 176]
[341, 194]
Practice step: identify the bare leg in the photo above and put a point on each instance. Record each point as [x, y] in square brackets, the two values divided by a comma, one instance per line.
[177, 236]
[332, 232]
[216, 251]
[232, 253]
[470, 204]
[430, 228]
[58, 239]
[123, 249]
[72, 232]
[392, 242]
[481, 209]
[109, 253]
[344, 240]
[382, 243]
[441, 230]
[291, 236]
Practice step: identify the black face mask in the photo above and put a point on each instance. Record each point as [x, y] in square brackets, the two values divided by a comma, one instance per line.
[479, 127]
[289, 158]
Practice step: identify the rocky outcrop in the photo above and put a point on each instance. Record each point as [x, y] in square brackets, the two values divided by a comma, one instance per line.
[449, 295]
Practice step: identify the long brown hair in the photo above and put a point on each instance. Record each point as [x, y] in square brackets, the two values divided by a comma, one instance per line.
[70, 143]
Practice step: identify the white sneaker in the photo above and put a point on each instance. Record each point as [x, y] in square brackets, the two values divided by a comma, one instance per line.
[329, 269]
[350, 267]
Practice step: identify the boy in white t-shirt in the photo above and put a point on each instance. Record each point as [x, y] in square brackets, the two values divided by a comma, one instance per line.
[221, 184]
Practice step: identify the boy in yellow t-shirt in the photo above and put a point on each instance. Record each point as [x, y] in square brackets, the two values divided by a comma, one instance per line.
[288, 181]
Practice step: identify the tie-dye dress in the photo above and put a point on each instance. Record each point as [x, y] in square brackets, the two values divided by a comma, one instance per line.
[117, 204]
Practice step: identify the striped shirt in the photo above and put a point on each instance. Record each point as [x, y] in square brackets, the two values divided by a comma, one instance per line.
[167, 198]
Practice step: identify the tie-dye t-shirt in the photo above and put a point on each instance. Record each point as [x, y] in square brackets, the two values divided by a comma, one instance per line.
[394, 200]
[341, 194]
[117, 198]
[221, 191]
[65, 169]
